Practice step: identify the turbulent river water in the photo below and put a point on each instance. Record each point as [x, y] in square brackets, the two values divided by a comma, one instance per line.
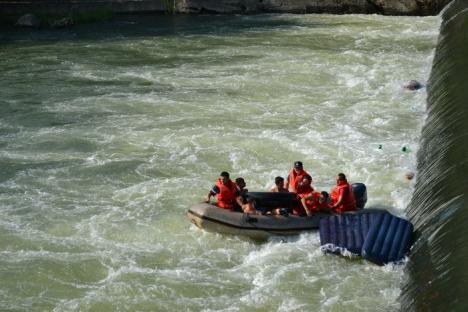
[110, 131]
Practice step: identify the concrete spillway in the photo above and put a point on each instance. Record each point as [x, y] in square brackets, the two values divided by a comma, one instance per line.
[439, 207]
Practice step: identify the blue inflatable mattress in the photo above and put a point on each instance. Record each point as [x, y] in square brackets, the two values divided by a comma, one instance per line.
[375, 235]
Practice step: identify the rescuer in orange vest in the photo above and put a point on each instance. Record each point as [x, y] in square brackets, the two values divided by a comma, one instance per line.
[315, 202]
[342, 196]
[295, 177]
[226, 192]
[303, 189]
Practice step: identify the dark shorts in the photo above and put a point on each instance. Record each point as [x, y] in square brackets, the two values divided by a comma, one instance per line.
[237, 208]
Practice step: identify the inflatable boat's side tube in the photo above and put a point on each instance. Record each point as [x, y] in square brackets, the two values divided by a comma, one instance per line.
[272, 200]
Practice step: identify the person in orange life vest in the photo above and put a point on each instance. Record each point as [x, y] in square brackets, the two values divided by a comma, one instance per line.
[315, 202]
[342, 196]
[295, 176]
[242, 203]
[225, 190]
[304, 188]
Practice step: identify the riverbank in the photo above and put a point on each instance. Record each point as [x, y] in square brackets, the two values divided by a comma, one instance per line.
[12, 9]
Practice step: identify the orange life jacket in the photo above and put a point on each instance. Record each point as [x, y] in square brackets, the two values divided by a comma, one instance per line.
[314, 204]
[227, 194]
[348, 202]
[309, 202]
[301, 192]
[304, 191]
[294, 179]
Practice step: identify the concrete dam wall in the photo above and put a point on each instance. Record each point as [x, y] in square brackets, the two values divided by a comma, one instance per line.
[437, 274]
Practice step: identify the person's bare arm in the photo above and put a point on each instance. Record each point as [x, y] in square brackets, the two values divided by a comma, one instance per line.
[304, 205]
[286, 183]
[239, 200]
[210, 194]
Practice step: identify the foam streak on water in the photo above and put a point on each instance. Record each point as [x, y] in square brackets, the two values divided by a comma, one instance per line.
[109, 132]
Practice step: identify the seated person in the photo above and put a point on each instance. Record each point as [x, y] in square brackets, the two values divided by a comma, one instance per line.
[225, 190]
[279, 186]
[304, 188]
[242, 203]
[315, 202]
[342, 196]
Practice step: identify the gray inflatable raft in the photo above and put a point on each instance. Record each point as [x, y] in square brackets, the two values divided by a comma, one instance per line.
[214, 219]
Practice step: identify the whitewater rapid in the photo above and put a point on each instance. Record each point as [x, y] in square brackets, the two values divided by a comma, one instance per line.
[110, 131]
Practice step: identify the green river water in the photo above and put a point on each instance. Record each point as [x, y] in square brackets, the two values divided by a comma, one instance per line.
[109, 132]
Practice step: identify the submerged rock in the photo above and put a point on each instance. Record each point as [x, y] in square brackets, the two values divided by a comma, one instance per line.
[413, 85]
[409, 175]
[62, 23]
[29, 20]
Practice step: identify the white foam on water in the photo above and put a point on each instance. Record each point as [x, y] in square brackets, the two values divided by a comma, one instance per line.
[154, 135]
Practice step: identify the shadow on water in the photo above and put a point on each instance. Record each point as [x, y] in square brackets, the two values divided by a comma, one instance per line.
[158, 25]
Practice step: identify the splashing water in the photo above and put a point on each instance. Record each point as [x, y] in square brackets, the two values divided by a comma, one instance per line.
[109, 132]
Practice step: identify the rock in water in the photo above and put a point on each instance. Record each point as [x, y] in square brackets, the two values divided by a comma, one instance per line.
[409, 175]
[62, 23]
[413, 85]
[29, 20]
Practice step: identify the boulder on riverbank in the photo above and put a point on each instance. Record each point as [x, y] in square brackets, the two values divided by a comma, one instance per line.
[397, 7]
[274, 6]
[386, 7]
[29, 20]
[83, 7]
